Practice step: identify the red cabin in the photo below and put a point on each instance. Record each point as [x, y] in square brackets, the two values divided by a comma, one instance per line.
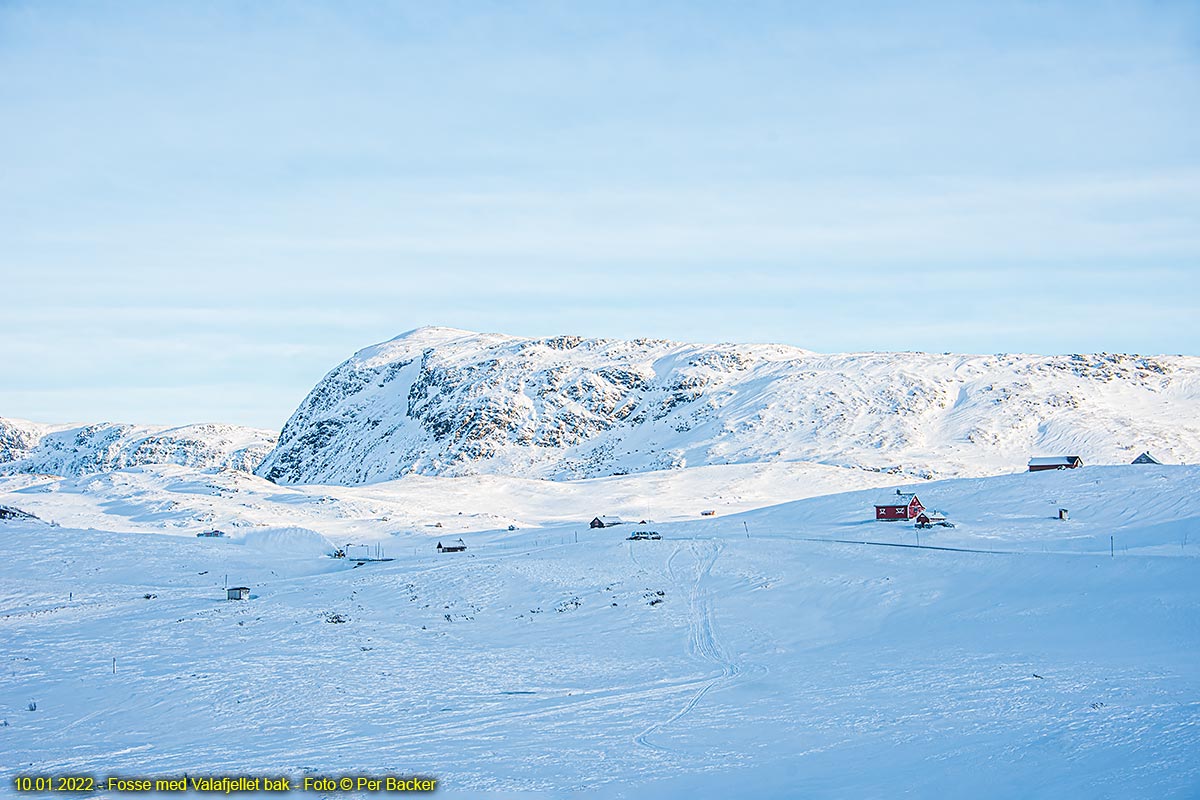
[898, 506]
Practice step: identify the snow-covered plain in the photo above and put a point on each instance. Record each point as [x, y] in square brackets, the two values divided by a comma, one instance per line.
[744, 654]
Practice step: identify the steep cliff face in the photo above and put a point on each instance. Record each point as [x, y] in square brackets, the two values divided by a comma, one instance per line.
[84, 450]
[440, 401]
[18, 438]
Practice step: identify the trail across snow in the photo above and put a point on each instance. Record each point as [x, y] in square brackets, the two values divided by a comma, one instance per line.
[702, 641]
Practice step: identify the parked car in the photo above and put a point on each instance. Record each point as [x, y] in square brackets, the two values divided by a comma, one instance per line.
[645, 535]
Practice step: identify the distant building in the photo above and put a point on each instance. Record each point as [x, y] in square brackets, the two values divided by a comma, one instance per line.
[708, 513]
[1043, 463]
[1146, 458]
[214, 534]
[454, 547]
[237, 593]
[900, 505]
[357, 552]
[605, 522]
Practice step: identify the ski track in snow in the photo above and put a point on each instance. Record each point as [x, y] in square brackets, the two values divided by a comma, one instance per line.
[703, 643]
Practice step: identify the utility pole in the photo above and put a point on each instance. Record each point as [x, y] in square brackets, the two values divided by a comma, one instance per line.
[747, 527]
[1111, 548]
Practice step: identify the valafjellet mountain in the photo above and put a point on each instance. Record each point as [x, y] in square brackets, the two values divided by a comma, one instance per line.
[440, 401]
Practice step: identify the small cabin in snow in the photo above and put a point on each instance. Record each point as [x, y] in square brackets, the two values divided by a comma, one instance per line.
[237, 593]
[901, 505]
[1043, 463]
[454, 547]
[605, 522]
[1146, 458]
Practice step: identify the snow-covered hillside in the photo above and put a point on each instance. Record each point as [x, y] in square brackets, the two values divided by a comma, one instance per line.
[440, 401]
[792, 650]
[163, 498]
[30, 447]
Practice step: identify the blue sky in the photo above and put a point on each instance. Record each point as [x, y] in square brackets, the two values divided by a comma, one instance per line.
[205, 207]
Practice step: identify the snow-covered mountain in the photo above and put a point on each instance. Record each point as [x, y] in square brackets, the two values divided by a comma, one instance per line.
[441, 401]
[87, 449]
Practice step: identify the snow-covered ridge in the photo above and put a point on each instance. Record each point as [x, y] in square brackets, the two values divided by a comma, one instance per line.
[87, 449]
[441, 401]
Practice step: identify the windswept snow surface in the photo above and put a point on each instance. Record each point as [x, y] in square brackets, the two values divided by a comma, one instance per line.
[745, 655]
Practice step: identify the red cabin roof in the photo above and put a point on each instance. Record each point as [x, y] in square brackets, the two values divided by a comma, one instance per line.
[899, 499]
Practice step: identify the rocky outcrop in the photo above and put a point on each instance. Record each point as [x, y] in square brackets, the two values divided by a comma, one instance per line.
[441, 401]
[87, 449]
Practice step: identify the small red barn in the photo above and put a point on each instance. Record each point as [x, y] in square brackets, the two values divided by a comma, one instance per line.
[930, 517]
[900, 505]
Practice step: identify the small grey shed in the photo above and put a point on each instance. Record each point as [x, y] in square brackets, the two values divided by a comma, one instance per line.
[237, 593]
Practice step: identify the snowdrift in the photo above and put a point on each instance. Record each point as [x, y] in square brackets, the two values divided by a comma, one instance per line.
[289, 542]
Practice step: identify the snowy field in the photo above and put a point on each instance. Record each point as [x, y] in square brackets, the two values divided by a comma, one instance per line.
[747, 654]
